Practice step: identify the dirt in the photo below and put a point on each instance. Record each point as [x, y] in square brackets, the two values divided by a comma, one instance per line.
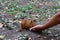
[48, 34]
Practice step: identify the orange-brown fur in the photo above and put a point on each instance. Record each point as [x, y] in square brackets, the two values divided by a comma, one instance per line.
[27, 23]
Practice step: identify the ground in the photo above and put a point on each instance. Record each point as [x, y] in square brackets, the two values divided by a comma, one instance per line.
[52, 33]
[48, 34]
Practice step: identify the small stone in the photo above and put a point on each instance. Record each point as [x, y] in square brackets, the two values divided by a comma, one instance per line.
[29, 38]
[15, 20]
[20, 38]
[1, 25]
[39, 36]
[15, 26]
[6, 8]
[15, 16]
[18, 30]
[5, 25]
[51, 35]
[10, 21]
[3, 4]
[3, 28]
[58, 9]
[49, 32]
[4, 12]
[2, 36]
[56, 35]
[17, 6]
[26, 35]
[52, 39]
[45, 37]
[9, 39]
[6, 1]
[41, 4]
[19, 21]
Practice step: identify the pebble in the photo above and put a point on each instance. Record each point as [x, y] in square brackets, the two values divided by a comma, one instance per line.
[26, 34]
[56, 35]
[18, 30]
[49, 32]
[45, 37]
[29, 38]
[3, 4]
[51, 35]
[3, 28]
[2, 36]
[39, 36]
[19, 21]
[17, 6]
[1, 25]
[9, 39]
[6, 1]
[6, 8]
[52, 39]
[4, 12]
[10, 21]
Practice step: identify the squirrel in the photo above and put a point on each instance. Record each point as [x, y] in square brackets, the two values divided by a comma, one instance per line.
[27, 23]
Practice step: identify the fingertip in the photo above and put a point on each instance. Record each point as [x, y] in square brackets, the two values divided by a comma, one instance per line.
[30, 29]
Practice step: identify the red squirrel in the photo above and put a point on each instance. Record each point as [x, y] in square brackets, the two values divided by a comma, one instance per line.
[27, 23]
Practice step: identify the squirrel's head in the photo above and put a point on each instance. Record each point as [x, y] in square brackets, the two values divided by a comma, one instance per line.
[27, 23]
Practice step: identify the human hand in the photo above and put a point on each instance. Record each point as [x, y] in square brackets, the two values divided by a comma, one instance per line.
[37, 27]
